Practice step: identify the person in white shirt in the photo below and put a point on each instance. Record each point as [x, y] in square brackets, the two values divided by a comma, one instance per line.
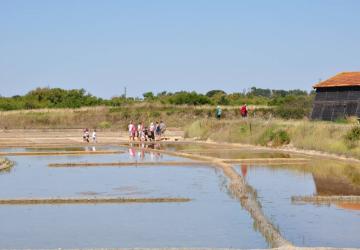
[94, 136]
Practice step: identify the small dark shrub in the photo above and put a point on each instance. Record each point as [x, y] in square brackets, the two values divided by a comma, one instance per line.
[280, 137]
[275, 138]
[352, 136]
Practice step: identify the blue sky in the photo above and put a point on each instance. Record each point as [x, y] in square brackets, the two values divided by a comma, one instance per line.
[198, 45]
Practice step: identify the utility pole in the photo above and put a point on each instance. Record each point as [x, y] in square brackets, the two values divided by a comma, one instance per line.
[125, 92]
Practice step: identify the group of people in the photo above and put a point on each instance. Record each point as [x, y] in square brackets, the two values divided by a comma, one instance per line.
[86, 135]
[243, 111]
[140, 132]
[153, 132]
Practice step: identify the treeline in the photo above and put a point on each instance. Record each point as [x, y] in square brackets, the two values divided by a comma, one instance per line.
[255, 96]
[286, 101]
[57, 98]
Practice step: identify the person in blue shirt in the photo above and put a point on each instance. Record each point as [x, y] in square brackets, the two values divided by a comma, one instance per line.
[218, 112]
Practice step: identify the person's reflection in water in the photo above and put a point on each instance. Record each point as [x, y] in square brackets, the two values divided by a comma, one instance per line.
[152, 156]
[132, 152]
[157, 154]
[244, 170]
[142, 155]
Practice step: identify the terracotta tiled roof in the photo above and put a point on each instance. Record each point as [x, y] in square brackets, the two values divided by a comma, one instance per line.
[341, 80]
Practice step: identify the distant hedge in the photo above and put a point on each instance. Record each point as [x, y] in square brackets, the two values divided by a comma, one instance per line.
[75, 98]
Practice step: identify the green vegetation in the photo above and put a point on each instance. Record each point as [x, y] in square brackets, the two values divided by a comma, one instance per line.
[292, 104]
[352, 137]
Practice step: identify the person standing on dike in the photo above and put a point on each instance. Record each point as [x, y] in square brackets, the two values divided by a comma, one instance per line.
[218, 112]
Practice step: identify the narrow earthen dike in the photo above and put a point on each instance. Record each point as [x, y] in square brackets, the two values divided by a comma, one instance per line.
[176, 163]
[128, 164]
[325, 199]
[93, 200]
[60, 153]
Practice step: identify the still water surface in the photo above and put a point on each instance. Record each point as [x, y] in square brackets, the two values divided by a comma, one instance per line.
[304, 224]
[211, 219]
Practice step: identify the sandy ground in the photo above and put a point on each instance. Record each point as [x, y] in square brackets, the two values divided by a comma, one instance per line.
[70, 137]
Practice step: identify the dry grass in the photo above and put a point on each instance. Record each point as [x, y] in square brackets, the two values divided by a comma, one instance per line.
[104, 117]
[303, 134]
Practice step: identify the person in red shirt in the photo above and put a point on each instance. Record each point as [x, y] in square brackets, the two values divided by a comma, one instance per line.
[244, 111]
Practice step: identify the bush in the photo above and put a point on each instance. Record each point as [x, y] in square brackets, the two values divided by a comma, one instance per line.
[352, 136]
[293, 107]
[275, 138]
[280, 137]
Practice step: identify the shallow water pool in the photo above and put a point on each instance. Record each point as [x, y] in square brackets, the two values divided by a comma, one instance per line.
[211, 219]
[304, 224]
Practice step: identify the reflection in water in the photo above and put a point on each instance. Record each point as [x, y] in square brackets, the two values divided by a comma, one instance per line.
[5, 171]
[330, 177]
[309, 224]
[349, 206]
[243, 170]
[335, 178]
[137, 151]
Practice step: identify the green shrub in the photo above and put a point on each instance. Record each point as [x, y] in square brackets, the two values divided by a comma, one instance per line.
[280, 137]
[352, 136]
[274, 137]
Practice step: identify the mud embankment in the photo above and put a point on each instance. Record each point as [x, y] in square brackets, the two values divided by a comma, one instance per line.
[49, 153]
[129, 164]
[92, 200]
[326, 199]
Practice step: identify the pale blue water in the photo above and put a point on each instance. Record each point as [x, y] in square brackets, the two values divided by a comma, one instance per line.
[306, 224]
[211, 219]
